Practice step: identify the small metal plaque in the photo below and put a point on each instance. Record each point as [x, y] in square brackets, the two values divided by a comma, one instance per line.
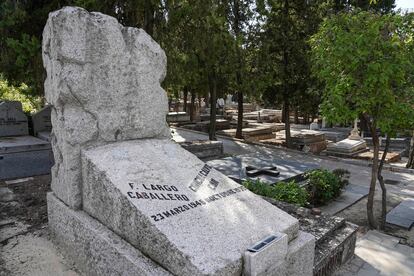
[263, 244]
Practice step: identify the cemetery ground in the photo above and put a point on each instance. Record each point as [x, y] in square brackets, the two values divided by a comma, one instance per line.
[28, 250]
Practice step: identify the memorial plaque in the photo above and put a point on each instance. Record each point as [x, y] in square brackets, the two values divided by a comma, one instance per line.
[13, 122]
[41, 121]
[157, 196]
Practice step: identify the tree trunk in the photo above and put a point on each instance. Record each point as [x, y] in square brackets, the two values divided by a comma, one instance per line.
[149, 18]
[382, 184]
[237, 30]
[286, 110]
[207, 99]
[192, 106]
[185, 99]
[374, 174]
[213, 109]
[410, 163]
[296, 116]
[239, 131]
[287, 122]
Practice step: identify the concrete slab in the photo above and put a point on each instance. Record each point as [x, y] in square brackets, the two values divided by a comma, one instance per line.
[402, 215]
[22, 144]
[23, 156]
[352, 194]
[379, 254]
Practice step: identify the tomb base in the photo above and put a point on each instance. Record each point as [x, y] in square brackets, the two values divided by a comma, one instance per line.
[94, 248]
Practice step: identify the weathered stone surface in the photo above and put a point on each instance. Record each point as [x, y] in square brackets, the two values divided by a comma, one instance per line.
[144, 191]
[300, 255]
[103, 82]
[41, 120]
[95, 249]
[268, 261]
[13, 122]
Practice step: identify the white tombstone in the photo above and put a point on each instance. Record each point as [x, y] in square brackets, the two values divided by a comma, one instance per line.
[314, 125]
[355, 132]
[324, 122]
[125, 198]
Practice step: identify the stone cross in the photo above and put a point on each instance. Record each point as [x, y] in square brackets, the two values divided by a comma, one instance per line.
[355, 132]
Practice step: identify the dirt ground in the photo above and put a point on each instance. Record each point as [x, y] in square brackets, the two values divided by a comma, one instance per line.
[357, 214]
[26, 246]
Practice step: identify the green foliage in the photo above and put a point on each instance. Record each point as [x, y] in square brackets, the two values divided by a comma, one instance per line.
[21, 26]
[21, 94]
[383, 6]
[288, 192]
[366, 62]
[325, 185]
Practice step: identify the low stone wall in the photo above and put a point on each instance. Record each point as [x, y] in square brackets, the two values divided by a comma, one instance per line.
[335, 237]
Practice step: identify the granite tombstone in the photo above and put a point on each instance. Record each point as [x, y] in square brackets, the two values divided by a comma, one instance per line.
[125, 198]
[13, 122]
[42, 125]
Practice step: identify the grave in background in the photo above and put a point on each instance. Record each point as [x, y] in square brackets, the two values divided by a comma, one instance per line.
[251, 134]
[204, 149]
[21, 155]
[13, 121]
[205, 125]
[178, 117]
[125, 198]
[400, 145]
[206, 117]
[349, 147]
[308, 140]
[335, 134]
[270, 115]
[42, 125]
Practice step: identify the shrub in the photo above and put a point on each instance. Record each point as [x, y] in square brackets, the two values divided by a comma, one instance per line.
[325, 185]
[21, 94]
[288, 192]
